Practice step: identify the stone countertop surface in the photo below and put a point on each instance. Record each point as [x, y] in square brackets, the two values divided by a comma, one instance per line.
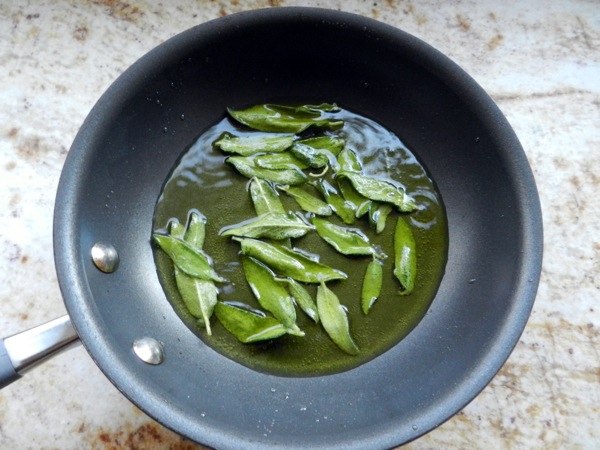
[538, 59]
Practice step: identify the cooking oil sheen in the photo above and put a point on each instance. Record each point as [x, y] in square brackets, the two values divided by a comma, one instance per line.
[201, 180]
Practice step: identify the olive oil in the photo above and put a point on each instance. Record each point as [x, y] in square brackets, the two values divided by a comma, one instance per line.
[202, 181]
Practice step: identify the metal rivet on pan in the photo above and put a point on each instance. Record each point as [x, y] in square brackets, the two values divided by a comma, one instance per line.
[105, 257]
[149, 350]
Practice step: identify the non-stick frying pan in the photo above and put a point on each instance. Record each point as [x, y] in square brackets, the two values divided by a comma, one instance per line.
[139, 128]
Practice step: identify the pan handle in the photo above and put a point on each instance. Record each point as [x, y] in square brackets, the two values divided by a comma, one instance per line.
[25, 350]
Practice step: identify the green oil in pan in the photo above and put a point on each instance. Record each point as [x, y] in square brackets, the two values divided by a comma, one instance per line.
[203, 182]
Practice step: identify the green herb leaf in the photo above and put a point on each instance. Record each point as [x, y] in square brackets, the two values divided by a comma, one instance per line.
[199, 296]
[344, 209]
[302, 298]
[289, 263]
[378, 214]
[279, 161]
[310, 156]
[380, 190]
[195, 230]
[371, 287]
[247, 326]
[348, 241]
[251, 145]
[190, 260]
[264, 197]
[286, 119]
[360, 203]
[270, 294]
[247, 167]
[175, 228]
[321, 107]
[405, 267]
[333, 144]
[335, 320]
[272, 225]
[348, 161]
[307, 201]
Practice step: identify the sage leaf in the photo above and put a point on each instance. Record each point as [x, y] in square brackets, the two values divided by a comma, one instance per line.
[322, 107]
[405, 257]
[190, 260]
[264, 197]
[302, 298]
[348, 241]
[307, 201]
[270, 294]
[175, 228]
[253, 144]
[246, 166]
[344, 209]
[333, 144]
[380, 190]
[289, 263]
[348, 161]
[378, 214]
[280, 161]
[247, 326]
[310, 156]
[195, 232]
[360, 203]
[199, 296]
[335, 320]
[286, 119]
[371, 287]
[272, 225]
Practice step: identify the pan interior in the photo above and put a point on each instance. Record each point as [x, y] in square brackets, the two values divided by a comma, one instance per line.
[132, 139]
[202, 181]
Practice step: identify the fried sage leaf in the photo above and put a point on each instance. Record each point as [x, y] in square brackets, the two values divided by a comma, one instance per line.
[371, 287]
[195, 231]
[302, 298]
[307, 201]
[289, 263]
[272, 225]
[247, 167]
[348, 161]
[378, 214]
[264, 197]
[348, 241]
[280, 161]
[251, 145]
[310, 156]
[199, 296]
[175, 228]
[286, 119]
[190, 260]
[335, 320]
[360, 203]
[270, 294]
[248, 326]
[380, 190]
[333, 144]
[405, 259]
[344, 209]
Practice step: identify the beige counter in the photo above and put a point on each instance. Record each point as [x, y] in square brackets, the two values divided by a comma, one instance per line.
[540, 60]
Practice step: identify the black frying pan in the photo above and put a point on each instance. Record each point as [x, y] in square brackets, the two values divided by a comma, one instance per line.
[124, 152]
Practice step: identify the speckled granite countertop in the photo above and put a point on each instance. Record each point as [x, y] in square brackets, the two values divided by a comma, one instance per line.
[540, 60]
